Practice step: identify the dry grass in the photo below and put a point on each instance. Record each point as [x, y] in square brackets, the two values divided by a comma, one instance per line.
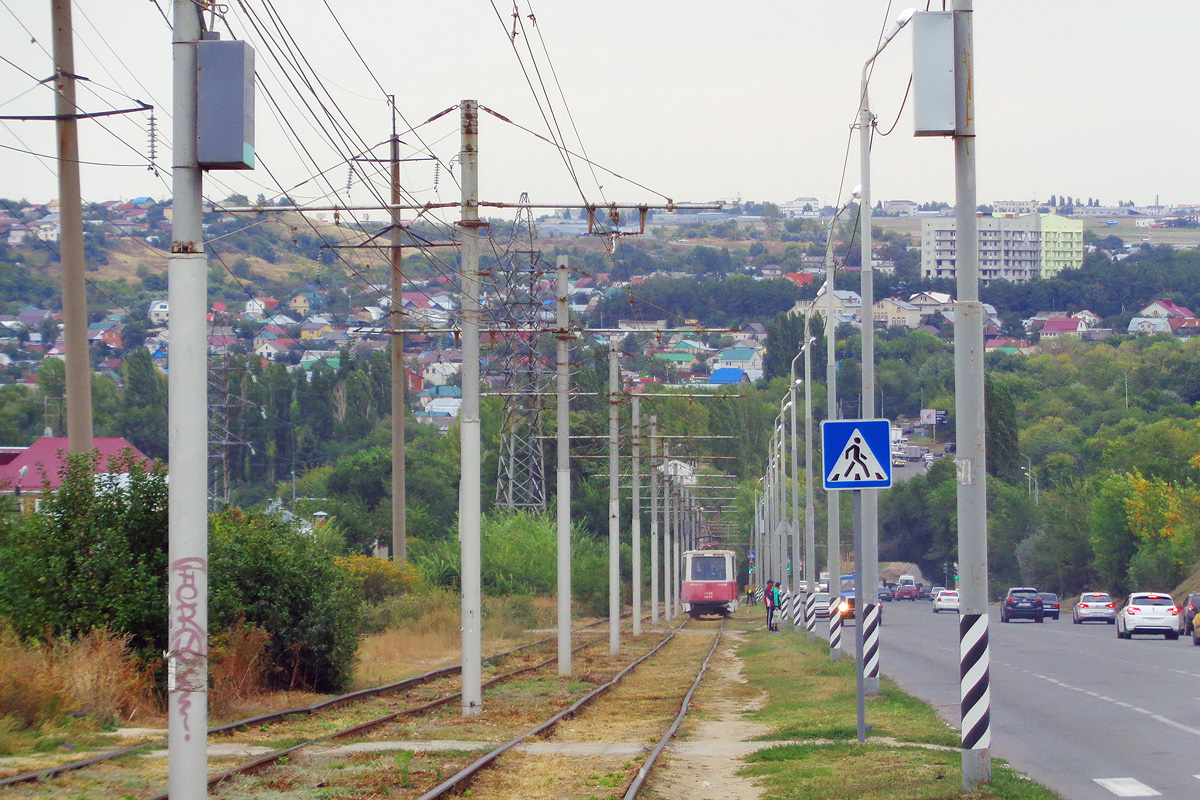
[238, 666]
[94, 676]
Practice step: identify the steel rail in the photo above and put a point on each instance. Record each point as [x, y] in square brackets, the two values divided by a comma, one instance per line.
[457, 780]
[267, 759]
[229, 727]
[648, 764]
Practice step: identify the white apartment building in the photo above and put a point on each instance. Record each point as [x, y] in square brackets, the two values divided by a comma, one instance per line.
[1014, 208]
[1017, 249]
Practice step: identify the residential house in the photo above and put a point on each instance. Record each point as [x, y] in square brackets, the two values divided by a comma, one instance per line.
[892, 312]
[932, 303]
[431, 393]
[106, 333]
[305, 303]
[1062, 326]
[847, 305]
[438, 368]
[31, 472]
[315, 330]
[272, 350]
[1149, 325]
[752, 333]
[723, 376]
[260, 307]
[159, 313]
[747, 359]
[1166, 308]
[680, 361]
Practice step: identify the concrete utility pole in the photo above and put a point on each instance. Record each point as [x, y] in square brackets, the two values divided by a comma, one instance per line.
[399, 376]
[971, 460]
[469, 435]
[187, 389]
[666, 554]
[866, 561]
[810, 510]
[636, 424]
[563, 467]
[614, 507]
[654, 466]
[70, 237]
[832, 499]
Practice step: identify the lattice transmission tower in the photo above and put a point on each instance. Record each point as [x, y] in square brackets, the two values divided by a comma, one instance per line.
[520, 317]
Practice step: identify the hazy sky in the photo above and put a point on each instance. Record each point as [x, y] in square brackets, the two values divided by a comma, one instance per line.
[695, 99]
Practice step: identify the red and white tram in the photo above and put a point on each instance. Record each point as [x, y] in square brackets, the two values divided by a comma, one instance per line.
[709, 582]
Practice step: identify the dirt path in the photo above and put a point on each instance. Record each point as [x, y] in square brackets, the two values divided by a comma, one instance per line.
[704, 764]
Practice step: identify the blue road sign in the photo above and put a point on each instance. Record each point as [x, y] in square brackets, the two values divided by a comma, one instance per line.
[856, 454]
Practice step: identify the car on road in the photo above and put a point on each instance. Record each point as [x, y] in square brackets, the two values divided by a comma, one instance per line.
[946, 600]
[1022, 602]
[1050, 605]
[1187, 620]
[906, 588]
[846, 609]
[821, 605]
[1148, 612]
[885, 594]
[934, 591]
[1094, 606]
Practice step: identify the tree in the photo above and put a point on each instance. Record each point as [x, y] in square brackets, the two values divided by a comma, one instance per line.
[96, 556]
[143, 420]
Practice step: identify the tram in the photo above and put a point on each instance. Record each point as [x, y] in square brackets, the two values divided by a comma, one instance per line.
[709, 582]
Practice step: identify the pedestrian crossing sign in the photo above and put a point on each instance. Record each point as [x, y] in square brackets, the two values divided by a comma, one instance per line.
[856, 454]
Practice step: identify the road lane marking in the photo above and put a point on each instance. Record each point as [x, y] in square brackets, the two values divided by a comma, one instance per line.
[1157, 717]
[1127, 787]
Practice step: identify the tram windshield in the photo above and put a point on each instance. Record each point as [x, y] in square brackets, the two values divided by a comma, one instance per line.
[708, 568]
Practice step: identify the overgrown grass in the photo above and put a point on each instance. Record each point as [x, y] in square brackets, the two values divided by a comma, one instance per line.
[812, 701]
[68, 688]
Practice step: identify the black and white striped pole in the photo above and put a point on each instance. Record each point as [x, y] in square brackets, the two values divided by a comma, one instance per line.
[797, 616]
[871, 643]
[810, 614]
[835, 624]
[974, 677]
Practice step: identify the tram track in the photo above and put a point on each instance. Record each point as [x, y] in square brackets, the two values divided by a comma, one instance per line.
[526, 702]
[362, 696]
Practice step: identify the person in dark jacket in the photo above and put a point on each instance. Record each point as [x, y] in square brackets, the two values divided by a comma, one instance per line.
[769, 601]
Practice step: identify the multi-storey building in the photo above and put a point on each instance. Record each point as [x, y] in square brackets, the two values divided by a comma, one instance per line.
[1017, 249]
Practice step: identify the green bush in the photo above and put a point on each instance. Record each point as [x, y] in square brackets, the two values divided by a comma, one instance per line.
[91, 558]
[277, 579]
[519, 556]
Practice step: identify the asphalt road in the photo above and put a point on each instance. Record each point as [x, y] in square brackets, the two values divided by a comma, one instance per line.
[1072, 705]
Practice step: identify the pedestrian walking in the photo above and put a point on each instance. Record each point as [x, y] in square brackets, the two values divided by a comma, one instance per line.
[777, 605]
[769, 602]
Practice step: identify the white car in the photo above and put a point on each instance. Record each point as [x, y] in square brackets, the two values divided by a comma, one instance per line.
[1149, 612]
[821, 605]
[946, 600]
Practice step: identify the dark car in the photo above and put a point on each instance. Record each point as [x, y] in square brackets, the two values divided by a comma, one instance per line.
[1050, 605]
[1190, 605]
[885, 594]
[1022, 602]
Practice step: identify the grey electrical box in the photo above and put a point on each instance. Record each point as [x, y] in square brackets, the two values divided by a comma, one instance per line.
[933, 73]
[225, 104]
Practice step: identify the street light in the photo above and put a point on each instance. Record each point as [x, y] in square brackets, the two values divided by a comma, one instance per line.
[833, 555]
[869, 569]
[1031, 481]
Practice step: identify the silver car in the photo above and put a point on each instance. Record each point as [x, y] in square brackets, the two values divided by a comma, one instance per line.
[821, 605]
[1148, 612]
[1094, 606]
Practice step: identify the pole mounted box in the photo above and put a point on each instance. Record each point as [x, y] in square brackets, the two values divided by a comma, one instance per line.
[225, 104]
[933, 73]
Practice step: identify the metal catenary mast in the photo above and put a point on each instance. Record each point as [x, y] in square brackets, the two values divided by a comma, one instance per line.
[521, 284]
